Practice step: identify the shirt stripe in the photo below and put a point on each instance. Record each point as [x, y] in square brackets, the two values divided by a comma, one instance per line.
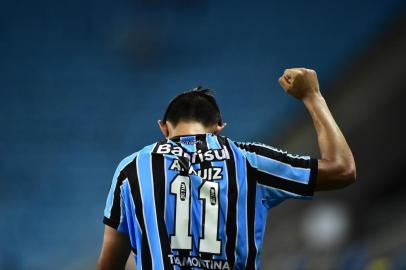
[113, 197]
[231, 223]
[251, 201]
[146, 188]
[158, 178]
[144, 252]
[241, 249]
[283, 170]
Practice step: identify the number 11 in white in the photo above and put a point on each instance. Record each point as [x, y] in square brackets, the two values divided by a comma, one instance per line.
[208, 193]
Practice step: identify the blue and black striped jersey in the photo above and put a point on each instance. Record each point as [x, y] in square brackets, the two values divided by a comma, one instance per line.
[201, 201]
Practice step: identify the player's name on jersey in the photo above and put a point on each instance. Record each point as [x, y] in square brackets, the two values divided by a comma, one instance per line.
[211, 173]
[189, 261]
[195, 157]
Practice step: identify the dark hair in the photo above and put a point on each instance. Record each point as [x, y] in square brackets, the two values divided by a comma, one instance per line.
[197, 105]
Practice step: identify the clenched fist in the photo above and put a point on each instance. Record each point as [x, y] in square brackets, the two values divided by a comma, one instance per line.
[300, 82]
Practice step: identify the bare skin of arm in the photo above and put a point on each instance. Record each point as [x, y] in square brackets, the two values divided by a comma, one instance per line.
[115, 251]
[336, 165]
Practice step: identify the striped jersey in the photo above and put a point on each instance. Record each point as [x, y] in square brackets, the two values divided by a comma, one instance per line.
[201, 201]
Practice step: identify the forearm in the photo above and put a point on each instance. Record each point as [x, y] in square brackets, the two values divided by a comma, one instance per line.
[336, 166]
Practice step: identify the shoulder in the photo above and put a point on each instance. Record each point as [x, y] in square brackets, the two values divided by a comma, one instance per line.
[258, 147]
[146, 150]
[129, 163]
[125, 162]
[238, 145]
[238, 148]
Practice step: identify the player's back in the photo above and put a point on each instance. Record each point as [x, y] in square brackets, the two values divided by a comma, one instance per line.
[200, 201]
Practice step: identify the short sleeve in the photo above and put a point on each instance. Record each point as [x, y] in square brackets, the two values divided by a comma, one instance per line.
[281, 175]
[114, 211]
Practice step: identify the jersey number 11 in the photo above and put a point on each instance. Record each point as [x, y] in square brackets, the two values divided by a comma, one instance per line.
[209, 194]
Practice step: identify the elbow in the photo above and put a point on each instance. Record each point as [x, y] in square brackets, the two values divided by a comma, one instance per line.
[336, 174]
[347, 173]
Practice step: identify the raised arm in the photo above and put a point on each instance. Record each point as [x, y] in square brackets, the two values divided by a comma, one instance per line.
[336, 167]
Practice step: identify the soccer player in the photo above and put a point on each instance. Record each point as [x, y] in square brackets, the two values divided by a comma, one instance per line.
[198, 200]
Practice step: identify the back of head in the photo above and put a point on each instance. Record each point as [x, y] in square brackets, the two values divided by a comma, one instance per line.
[197, 105]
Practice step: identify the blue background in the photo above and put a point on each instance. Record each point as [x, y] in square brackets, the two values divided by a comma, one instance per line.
[82, 84]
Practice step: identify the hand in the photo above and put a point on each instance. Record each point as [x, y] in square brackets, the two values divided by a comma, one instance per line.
[300, 82]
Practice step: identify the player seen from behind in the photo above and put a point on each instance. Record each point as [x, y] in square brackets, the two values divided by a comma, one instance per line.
[198, 200]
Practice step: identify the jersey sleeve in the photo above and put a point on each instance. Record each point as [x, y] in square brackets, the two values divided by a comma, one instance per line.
[114, 212]
[279, 174]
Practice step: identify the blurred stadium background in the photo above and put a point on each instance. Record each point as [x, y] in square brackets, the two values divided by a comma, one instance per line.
[82, 83]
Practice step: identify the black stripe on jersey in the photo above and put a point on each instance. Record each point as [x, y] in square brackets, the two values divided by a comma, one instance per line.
[115, 214]
[314, 168]
[132, 174]
[251, 198]
[111, 223]
[202, 146]
[231, 224]
[274, 154]
[158, 171]
[284, 184]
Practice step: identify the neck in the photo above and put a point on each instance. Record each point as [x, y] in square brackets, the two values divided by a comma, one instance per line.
[188, 128]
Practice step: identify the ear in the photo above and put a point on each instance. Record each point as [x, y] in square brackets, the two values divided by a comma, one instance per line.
[164, 128]
[218, 128]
